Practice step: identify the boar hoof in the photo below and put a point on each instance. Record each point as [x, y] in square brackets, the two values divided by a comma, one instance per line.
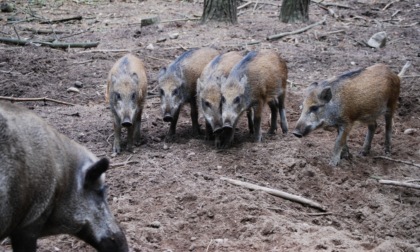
[335, 161]
[363, 153]
[116, 150]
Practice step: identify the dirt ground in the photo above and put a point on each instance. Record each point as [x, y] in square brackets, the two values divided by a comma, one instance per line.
[172, 199]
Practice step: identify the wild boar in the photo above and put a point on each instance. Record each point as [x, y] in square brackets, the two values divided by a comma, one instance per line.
[178, 85]
[259, 78]
[356, 96]
[209, 94]
[126, 92]
[51, 185]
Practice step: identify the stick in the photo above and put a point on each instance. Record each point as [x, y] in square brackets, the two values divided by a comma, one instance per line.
[61, 20]
[182, 19]
[45, 99]
[389, 4]
[404, 69]
[398, 183]
[399, 161]
[244, 5]
[280, 35]
[39, 31]
[126, 162]
[53, 45]
[333, 4]
[278, 193]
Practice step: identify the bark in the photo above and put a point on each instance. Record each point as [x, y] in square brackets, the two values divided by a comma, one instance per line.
[220, 10]
[293, 11]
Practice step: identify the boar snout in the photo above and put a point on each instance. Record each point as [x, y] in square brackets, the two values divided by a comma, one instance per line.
[127, 122]
[297, 133]
[218, 129]
[167, 117]
[302, 130]
[115, 243]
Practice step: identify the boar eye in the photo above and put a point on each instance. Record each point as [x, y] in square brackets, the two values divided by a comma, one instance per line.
[237, 100]
[223, 99]
[117, 96]
[313, 109]
[175, 92]
[133, 96]
[162, 93]
[207, 104]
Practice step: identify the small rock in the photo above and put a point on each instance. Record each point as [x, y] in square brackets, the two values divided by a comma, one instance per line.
[78, 84]
[219, 167]
[193, 238]
[150, 47]
[149, 21]
[160, 40]
[160, 27]
[155, 224]
[174, 35]
[378, 40]
[7, 7]
[353, 63]
[165, 146]
[409, 131]
[73, 90]
[190, 154]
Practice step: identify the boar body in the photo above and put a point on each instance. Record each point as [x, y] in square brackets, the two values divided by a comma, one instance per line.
[178, 85]
[259, 78]
[126, 92]
[209, 94]
[51, 185]
[357, 96]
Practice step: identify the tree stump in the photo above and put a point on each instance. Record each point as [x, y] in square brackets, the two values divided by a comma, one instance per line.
[220, 10]
[293, 11]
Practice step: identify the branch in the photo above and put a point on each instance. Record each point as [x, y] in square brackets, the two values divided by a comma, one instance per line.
[126, 162]
[398, 161]
[333, 4]
[40, 31]
[399, 183]
[278, 193]
[61, 20]
[45, 99]
[281, 35]
[50, 44]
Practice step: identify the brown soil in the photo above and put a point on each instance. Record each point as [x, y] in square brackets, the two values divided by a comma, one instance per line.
[173, 199]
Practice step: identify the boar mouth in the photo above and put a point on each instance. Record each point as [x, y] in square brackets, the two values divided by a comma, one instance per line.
[167, 118]
[297, 134]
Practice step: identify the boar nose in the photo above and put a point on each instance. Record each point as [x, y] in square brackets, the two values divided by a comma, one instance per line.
[127, 122]
[217, 129]
[227, 124]
[115, 243]
[297, 133]
[167, 118]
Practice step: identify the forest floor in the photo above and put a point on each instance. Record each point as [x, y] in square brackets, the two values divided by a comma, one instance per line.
[172, 199]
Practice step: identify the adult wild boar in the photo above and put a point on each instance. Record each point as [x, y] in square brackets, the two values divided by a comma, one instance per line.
[51, 185]
[259, 78]
[178, 83]
[356, 96]
[126, 92]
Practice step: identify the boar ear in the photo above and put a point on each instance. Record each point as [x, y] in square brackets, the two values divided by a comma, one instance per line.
[314, 84]
[325, 94]
[199, 83]
[95, 171]
[135, 78]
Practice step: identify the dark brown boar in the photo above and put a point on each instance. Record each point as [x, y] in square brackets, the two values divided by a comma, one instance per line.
[126, 92]
[178, 85]
[51, 185]
[259, 78]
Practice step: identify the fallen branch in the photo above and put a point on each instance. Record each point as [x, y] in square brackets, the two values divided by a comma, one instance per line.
[398, 161]
[45, 99]
[50, 44]
[278, 193]
[281, 35]
[398, 183]
[333, 4]
[330, 33]
[244, 5]
[61, 20]
[182, 19]
[126, 162]
[389, 4]
[40, 31]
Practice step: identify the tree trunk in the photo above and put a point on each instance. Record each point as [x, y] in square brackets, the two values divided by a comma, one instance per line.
[219, 10]
[293, 11]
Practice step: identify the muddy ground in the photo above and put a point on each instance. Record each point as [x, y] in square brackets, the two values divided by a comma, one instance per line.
[172, 199]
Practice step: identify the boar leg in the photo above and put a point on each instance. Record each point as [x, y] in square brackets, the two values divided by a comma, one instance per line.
[117, 138]
[23, 242]
[172, 128]
[282, 112]
[209, 131]
[368, 139]
[250, 116]
[130, 137]
[137, 128]
[388, 132]
[194, 117]
[257, 122]
[340, 143]
[274, 110]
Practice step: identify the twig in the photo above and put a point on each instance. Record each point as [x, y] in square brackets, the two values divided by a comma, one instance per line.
[333, 4]
[112, 50]
[61, 20]
[398, 183]
[404, 69]
[45, 99]
[126, 162]
[278, 193]
[182, 19]
[389, 4]
[410, 76]
[50, 44]
[281, 35]
[208, 246]
[319, 214]
[17, 34]
[39, 31]
[399, 161]
[395, 13]
[330, 33]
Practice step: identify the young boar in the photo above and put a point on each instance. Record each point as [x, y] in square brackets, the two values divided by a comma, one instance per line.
[259, 78]
[357, 96]
[209, 95]
[126, 92]
[178, 84]
[51, 185]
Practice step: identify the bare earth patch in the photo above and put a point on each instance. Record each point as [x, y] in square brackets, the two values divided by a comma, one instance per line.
[172, 199]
